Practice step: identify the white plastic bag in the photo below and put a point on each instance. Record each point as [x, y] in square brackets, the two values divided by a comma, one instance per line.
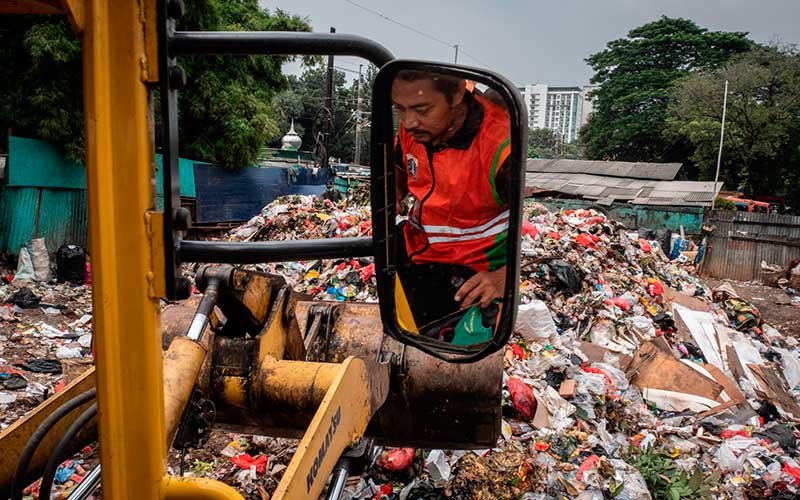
[24, 266]
[535, 323]
[41, 260]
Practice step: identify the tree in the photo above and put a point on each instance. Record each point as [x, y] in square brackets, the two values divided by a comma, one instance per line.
[541, 143]
[225, 110]
[762, 124]
[546, 144]
[41, 81]
[636, 75]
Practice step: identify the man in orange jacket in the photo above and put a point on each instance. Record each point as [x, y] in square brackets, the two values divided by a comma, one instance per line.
[451, 158]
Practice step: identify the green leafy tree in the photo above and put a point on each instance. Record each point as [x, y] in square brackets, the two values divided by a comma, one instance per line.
[762, 123]
[41, 81]
[546, 144]
[636, 75]
[226, 115]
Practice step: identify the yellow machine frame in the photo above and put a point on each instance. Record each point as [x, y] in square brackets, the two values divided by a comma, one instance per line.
[126, 244]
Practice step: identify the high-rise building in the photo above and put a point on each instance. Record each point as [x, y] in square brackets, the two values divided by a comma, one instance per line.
[561, 109]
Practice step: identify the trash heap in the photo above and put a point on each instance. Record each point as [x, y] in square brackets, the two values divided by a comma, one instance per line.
[301, 217]
[45, 329]
[309, 217]
[627, 378]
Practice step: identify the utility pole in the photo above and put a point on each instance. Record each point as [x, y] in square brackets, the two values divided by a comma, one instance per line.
[328, 112]
[455, 59]
[721, 140]
[357, 158]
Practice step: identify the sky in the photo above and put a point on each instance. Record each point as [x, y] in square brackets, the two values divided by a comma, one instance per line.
[532, 41]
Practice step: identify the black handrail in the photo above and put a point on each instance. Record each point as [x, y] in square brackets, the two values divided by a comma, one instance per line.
[277, 42]
[273, 251]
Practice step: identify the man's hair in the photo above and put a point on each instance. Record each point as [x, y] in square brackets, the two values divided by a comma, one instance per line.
[447, 85]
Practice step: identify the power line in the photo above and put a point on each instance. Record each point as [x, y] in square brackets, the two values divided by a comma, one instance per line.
[400, 24]
[439, 40]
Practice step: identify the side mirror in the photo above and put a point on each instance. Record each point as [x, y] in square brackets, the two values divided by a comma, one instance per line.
[448, 171]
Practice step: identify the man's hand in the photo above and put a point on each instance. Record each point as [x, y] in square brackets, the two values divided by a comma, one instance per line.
[482, 288]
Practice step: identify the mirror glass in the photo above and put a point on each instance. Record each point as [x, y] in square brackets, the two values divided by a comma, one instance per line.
[451, 160]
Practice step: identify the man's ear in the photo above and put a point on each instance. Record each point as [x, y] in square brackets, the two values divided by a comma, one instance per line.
[458, 98]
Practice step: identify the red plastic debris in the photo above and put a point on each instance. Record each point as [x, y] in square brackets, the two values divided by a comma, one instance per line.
[396, 459]
[245, 461]
[518, 351]
[655, 288]
[541, 446]
[728, 433]
[621, 303]
[529, 229]
[586, 240]
[367, 272]
[644, 246]
[586, 465]
[554, 235]
[522, 397]
[384, 490]
[792, 471]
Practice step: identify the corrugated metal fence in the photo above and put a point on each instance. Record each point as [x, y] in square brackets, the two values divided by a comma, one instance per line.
[57, 215]
[741, 241]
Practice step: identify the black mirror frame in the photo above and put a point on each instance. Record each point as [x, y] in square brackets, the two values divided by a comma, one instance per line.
[382, 184]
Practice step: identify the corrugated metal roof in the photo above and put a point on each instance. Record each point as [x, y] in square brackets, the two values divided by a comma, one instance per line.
[636, 191]
[634, 170]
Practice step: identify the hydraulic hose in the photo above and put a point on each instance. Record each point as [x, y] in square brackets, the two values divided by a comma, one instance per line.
[60, 451]
[39, 434]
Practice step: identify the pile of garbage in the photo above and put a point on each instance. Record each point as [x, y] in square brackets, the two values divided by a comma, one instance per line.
[309, 217]
[626, 378]
[305, 217]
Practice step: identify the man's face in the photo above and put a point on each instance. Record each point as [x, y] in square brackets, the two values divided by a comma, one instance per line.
[423, 110]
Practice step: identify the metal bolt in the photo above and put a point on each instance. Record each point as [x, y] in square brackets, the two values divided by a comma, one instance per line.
[177, 77]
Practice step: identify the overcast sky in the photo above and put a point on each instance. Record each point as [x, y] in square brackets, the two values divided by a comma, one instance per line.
[532, 41]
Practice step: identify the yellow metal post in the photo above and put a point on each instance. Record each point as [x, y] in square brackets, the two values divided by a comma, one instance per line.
[119, 171]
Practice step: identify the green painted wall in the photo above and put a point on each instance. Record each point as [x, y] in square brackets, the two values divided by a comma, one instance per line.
[35, 163]
[45, 196]
[640, 216]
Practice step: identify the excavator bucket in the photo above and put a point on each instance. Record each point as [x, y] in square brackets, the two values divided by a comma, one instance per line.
[430, 403]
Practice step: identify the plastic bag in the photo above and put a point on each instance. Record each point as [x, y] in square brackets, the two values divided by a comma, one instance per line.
[726, 460]
[642, 326]
[396, 459]
[40, 258]
[522, 398]
[438, 468]
[70, 264]
[566, 275]
[634, 487]
[616, 375]
[602, 333]
[24, 266]
[534, 322]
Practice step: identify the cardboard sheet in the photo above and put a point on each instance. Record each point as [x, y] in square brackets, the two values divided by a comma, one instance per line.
[700, 327]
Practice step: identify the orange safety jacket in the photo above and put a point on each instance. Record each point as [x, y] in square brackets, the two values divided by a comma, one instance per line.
[459, 217]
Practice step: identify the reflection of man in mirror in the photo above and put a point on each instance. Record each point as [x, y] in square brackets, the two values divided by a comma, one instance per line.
[451, 156]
